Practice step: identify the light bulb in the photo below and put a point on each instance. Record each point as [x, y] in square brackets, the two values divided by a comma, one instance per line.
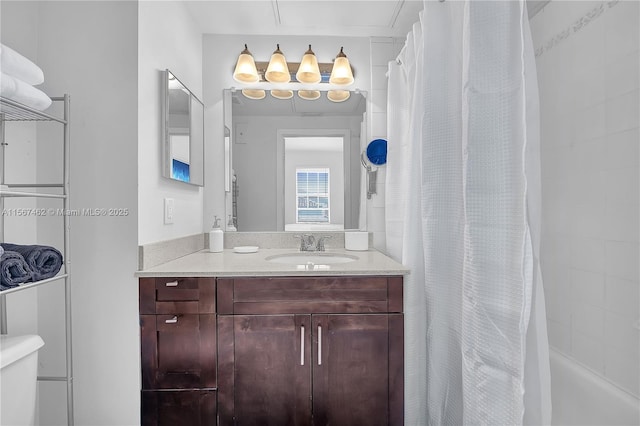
[245, 71]
[341, 73]
[282, 94]
[278, 70]
[338, 95]
[309, 72]
[309, 95]
[254, 93]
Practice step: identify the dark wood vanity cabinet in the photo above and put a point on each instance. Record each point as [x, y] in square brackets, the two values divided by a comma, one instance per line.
[178, 351]
[310, 351]
[272, 351]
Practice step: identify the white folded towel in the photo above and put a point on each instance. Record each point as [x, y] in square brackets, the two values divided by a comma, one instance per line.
[23, 93]
[14, 64]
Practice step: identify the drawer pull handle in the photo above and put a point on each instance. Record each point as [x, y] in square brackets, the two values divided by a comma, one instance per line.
[319, 344]
[173, 320]
[302, 345]
[172, 284]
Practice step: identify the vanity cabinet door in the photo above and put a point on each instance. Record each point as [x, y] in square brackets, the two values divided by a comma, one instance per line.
[310, 351]
[179, 408]
[178, 351]
[265, 370]
[353, 374]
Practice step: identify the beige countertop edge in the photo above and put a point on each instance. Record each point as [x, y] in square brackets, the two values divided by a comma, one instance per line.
[231, 264]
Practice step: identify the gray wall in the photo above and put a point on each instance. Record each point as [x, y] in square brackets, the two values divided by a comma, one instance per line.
[167, 39]
[89, 50]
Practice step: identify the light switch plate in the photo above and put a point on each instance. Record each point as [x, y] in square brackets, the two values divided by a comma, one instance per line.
[168, 210]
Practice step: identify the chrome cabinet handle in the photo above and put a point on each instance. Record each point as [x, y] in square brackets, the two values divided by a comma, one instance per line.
[302, 345]
[172, 284]
[173, 320]
[319, 344]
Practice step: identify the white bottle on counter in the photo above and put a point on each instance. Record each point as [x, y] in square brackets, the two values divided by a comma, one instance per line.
[216, 237]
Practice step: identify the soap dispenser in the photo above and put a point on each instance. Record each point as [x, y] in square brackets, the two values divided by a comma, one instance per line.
[216, 237]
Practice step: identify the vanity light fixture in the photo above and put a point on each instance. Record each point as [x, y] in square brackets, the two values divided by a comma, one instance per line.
[338, 95]
[277, 71]
[309, 95]
[309, 72]
[254, 93]
[282, 94]
[341, 73]
[245, 71]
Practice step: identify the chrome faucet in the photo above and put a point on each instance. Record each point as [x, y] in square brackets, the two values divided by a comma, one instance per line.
[320, 243]
[307, 242]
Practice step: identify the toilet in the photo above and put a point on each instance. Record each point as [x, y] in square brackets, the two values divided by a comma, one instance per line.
[18, 375]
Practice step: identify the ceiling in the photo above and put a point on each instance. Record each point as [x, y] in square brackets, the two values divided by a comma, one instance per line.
[355, 18]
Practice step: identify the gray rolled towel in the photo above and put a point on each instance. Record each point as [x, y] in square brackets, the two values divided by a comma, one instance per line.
[14, 270]
[44, 261]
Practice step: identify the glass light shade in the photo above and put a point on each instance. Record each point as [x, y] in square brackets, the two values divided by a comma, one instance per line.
[282, 94]
[245, 71]
[341, 73]
[254, 93]
[278, 70]
[309, 72]
[338, 95]
[309, 95]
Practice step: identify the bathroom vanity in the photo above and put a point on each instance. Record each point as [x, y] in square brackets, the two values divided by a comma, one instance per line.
[235, 339]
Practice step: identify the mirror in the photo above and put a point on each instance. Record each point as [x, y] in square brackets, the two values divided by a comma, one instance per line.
[295, 162]
[183, 132]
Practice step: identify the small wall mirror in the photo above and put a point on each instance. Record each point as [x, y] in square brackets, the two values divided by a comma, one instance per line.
[183, 132]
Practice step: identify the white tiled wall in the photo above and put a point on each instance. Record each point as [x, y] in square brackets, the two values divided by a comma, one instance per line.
[587, 61]
[383, 50]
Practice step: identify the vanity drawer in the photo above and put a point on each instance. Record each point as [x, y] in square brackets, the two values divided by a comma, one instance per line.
[171, 295]
[178, 351]
[300, 295]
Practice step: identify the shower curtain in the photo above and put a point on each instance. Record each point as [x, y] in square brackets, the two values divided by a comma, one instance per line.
[462, 213]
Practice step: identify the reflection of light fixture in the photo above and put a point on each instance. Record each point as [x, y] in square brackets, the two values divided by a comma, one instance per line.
[309, 95]
[341, 73]
[278, 71]
[254, 93]
[308, 72]
[246, 71]
[282, 94]
[338, 95]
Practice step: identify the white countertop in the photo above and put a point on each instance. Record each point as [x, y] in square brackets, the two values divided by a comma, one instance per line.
[231, 264]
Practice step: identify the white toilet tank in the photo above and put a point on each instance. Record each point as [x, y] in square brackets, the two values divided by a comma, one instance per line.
[18, 375]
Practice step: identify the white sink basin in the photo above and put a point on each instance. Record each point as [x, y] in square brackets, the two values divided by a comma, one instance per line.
[318, 258]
